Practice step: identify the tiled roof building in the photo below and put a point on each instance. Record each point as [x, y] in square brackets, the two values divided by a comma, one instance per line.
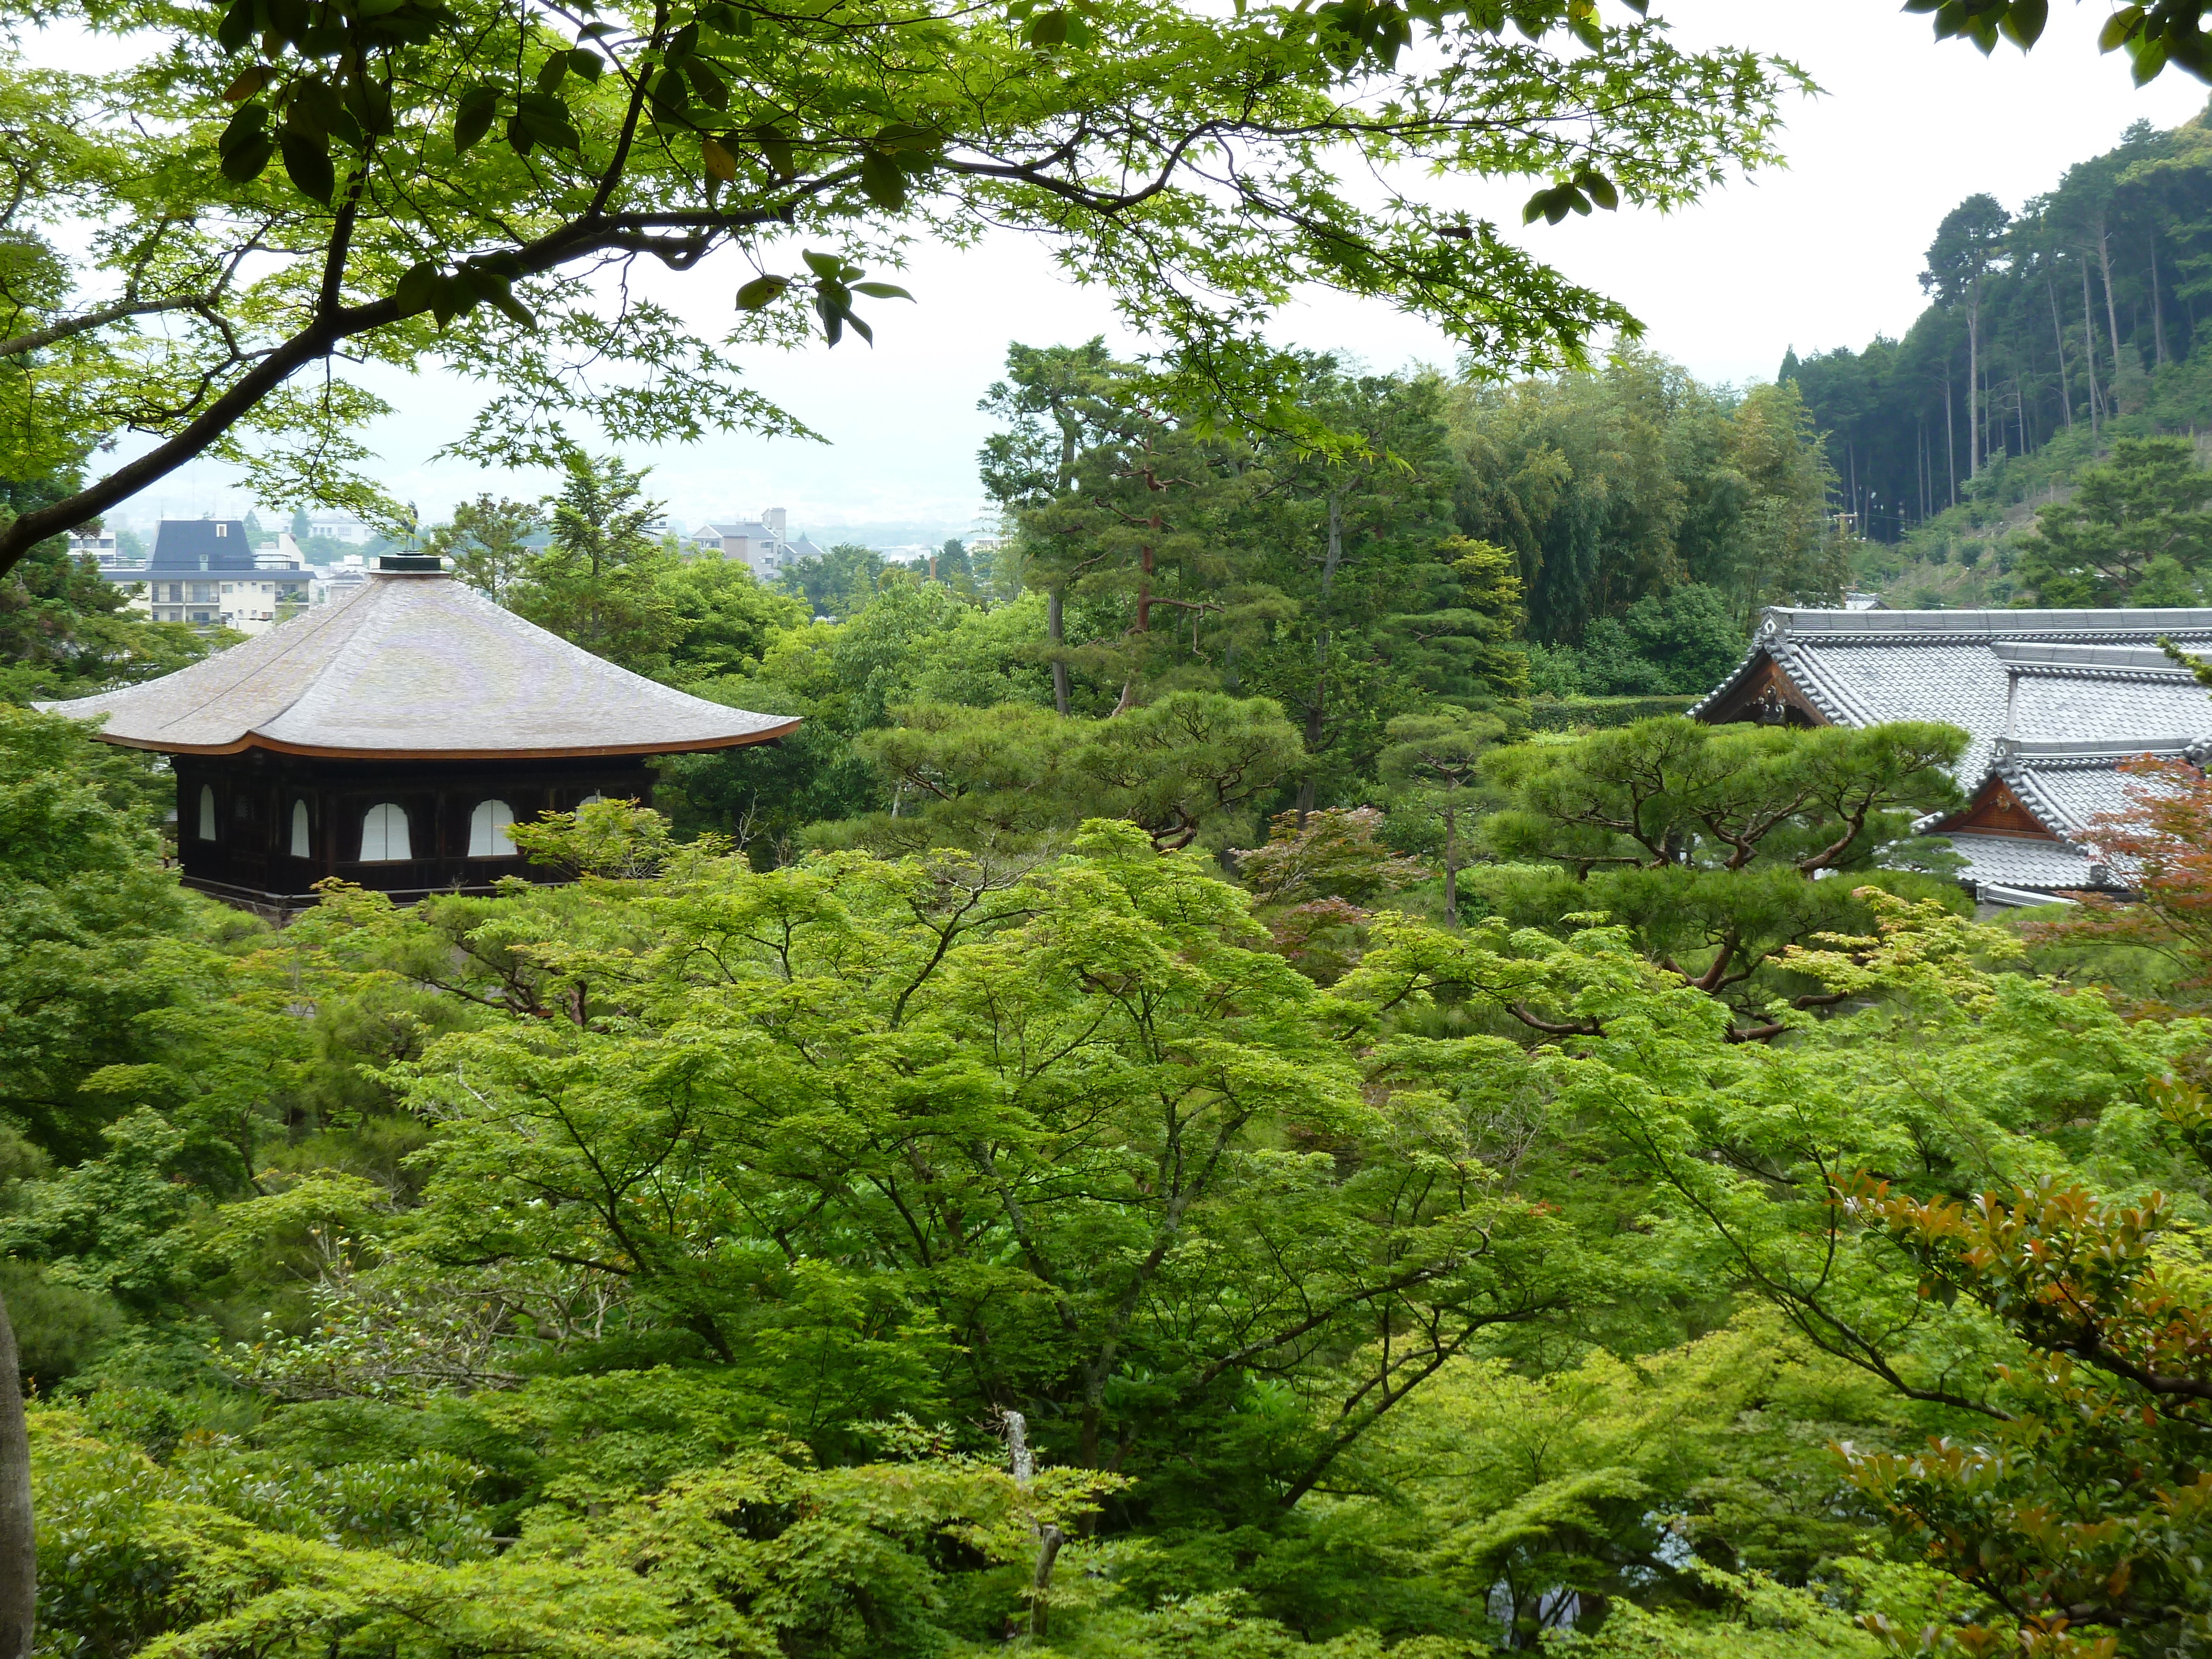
[2053, 703]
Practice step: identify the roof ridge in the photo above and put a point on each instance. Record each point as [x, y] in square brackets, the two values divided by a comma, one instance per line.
[2089, 751]
[305, 626]
[2065, 671]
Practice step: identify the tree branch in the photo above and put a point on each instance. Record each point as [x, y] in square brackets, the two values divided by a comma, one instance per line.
[38, 338]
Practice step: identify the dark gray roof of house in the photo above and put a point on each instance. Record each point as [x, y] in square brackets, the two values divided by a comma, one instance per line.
[191, 544]
[2098, 693]
[415, 665]
[2069, 785]
[2044, 656]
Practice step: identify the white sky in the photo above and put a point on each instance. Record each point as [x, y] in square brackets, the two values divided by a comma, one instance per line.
[1823, 254]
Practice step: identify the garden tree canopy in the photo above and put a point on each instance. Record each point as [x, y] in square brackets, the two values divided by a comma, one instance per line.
[838, 583]
[86, 919]
[1466, 649]
[1194, 763]
[64, 631]
[1153, 524]
[459, 184]
[1839, 1178]
[486, 543]
[1706, 842]
[1621, 484]
[685, 1226]
[1969, 245]
[2152, 35]
[1358, 541]
[598, 581]
[1435, 760]
[1042, 1106]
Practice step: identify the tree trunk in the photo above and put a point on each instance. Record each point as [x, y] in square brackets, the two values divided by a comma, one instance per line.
[2112, 306]
[1144, 566]
[19, 1547]
[2157, 301]
[1318, 706]
[1974, 382]
[1057, 634]
[1023, 1465]
[2058, 333]
[1451, 863]
[2089, 348]
[1950, 440]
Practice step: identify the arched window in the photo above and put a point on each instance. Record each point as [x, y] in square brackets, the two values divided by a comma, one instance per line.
[301, 847]
[384, 833]
[488, 827]
[207, 812]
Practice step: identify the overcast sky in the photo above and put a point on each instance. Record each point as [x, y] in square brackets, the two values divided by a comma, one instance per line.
[1824, 254]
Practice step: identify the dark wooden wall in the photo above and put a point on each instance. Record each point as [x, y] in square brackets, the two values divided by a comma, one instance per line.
[250, 860]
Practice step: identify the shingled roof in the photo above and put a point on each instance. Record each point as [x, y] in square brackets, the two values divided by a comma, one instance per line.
[415, 665]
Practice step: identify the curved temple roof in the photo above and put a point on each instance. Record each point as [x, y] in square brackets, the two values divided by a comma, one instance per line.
[2053, 703]
[2081, 669]
[415, 665]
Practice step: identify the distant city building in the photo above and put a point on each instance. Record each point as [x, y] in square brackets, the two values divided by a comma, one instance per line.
[101, 548]
[206, 573]
[341, 527]
[763, 545]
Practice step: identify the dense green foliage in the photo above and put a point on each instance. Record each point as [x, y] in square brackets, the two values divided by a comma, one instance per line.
[667, 1262]
[1589, 1188]
[1195, 1110]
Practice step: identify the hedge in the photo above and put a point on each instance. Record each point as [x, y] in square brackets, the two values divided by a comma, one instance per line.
[1583, 714]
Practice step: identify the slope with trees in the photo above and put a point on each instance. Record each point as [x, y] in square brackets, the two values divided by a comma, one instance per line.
[2049, 333]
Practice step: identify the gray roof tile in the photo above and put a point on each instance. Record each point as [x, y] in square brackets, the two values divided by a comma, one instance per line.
[1865, 667]
[2022, 861]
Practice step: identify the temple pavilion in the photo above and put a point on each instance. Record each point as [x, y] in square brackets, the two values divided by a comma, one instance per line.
[393, 737]
[2054, 703]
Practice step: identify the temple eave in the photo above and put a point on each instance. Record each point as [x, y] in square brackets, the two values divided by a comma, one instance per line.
[253, 741]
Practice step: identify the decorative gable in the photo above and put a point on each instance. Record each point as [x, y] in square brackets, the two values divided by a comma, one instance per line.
[1996, 810]
[1766, 695]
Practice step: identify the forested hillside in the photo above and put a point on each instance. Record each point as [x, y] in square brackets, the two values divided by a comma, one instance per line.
[2047, 333]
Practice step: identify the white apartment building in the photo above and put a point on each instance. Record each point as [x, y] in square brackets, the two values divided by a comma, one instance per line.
[203, 572]
[341, 527]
